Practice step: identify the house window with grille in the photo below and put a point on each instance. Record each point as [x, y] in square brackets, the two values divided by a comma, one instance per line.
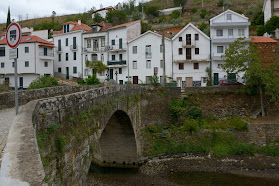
[230, 32]
[241, 32]
[219, 32]
[148, 51]
[59, 70]
[103, 42]
[220, 49]
[26, 49]
[88, 43]
[229, 17]
[74, 70]
[26, 63]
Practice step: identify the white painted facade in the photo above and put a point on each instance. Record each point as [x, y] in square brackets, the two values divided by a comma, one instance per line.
[225, 28]
[68, 61]
[103, 12]
[191, 56]
[271, 8]
[31, 64]
[145, 62]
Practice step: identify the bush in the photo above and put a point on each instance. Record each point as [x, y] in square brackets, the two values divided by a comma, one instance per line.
[42, 82]
[238, 124]
[175, 14]
[203, 13]
[162, 19]
[202, 26]
[242, 149]
[152, 10]
[190, 125]
[154, 80]
[194, 10]
[60, 143]
[177, 107]
[227, 4]
[220, 3]
[91, 80]
[177, 21]
[194, 112]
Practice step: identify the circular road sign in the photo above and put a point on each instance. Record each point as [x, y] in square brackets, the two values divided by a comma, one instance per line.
[13, 35]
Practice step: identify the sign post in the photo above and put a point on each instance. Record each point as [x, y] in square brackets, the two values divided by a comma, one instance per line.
[13, 37]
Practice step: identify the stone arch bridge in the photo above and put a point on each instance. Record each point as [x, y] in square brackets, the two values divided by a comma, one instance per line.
[55, 140]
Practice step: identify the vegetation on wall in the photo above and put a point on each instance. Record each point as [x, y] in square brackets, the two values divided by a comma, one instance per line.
[43, 81]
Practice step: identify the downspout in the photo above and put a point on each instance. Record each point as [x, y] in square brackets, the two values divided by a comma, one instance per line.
[82, 54]
[128, 62]
[108, 52]
[35, 44]
[172, 59]
[211, 63]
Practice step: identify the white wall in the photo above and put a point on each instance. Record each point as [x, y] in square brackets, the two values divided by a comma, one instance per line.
[267, 10]
[41, 33]
[103, 13]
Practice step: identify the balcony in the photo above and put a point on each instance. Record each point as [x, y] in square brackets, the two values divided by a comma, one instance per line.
[225, 39]
[58, 50]
[189, 44]
[230, 24]
[117, 48]
[201, 58]
[74, 47]
[94, 50]
[116, 63]
[46, 56]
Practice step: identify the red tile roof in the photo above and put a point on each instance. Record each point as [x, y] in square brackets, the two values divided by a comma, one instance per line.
[106, 8]
[76, 27]
[174, 30]
[34, 39]
[262, 39]
[104, 27]
[122, 25]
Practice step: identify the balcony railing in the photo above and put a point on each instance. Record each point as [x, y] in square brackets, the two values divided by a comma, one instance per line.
[94, 50]
[46, 54]
[120, 62]
[73, 47]
[189, 44]
[117, 47]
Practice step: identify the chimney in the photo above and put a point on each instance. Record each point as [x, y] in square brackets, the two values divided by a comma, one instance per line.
[79, 21]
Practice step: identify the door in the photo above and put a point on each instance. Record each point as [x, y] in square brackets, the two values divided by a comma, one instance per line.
[188, 39]
[189, 81]
[21, 82]
[188, 53]
[216, 78]
[110, 73]
[67, 73]
[135, 80]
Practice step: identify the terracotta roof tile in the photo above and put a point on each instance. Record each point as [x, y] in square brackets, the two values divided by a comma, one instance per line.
[122, 25]
[104, 27]
[76, 27]
[262, 39]
[106, 8]
[34, 39]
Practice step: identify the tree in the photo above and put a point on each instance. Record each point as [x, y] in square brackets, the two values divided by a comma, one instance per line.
[145, 27]
[98, 66]
[179, 2]
[152, 11]
[241, 56]
[271, 25]
[53, 15]
[97, 18]
[8, 18]
[116, 17]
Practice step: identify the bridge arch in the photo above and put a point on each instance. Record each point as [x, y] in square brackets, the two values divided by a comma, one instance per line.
[118, 141]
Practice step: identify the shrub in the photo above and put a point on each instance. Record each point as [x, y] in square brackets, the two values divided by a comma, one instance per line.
[177, 21]
[175, 14]
[194, 10]
[162, 19]
[220, 3]
[202, 26]
[152, 128]
[154, 80]
[60, 143]
[194, 112]
[239, 11]
[238, 124]
[227, 4]
[190, 125]
[152, 10]
[221, 150]
[91, 80]
[195, 18]
[177, 107]
[203, 13]
[242, 149]
[42, 82]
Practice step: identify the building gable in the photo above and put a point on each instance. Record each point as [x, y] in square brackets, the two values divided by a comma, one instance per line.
[190, 25]
[235, 17]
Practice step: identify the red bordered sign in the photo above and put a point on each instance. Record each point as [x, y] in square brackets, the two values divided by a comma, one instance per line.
[13, 35]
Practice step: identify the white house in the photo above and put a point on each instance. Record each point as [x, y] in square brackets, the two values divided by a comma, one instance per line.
[103, 11]
[225, 28]
[94, 47]
[68, 52]
[146, 57]
[35, 58]
[117, 53]
[191, 57]
[271, 8]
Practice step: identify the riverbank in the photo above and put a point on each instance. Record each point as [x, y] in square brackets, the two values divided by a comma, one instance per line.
[257, 169]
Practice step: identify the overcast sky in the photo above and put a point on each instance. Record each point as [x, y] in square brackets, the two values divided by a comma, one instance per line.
[41, 8]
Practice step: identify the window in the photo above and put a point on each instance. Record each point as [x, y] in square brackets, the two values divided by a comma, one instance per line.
[74, 43]
[197, 51]
[147, 79]
[88, 43]
[45, 51]
[180, 51]
[113, 42]
[240, 32]
[102, 57]
[59, 45]
[229, 16]
[59, 69]
[230, 32]
[75, 56]
[181, 66]
[67, 56]
[67, 42]
[59, 57]
[2, 65]
[148, 64]
[113, 57]
[197, 37]
[120, 82]
[26, 49]
[180, 39]
[120, 70]
[74, 70]
[26, 63]
[94, 28]
[148, 53]
[161, 48]
[94, 57]
[46, 64]
[135, 66]
[204, 79]
[86, 72]
[103, 42]
[120, 57]
[219, 32]
[120, 43]
[161, 64]
[220, 65]
[220, 49]
[68, 28]
[13, 64]
[65, 28]
[2, 52]
[196, 65]
[155, 71]
[95, 45]
[135, 49]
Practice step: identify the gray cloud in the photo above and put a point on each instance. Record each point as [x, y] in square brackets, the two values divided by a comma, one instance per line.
[42, 8]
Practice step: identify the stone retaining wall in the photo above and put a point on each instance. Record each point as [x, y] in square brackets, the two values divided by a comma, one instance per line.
[7, 100]
[212, 88]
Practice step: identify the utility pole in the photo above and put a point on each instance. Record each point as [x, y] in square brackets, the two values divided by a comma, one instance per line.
[164, 57]
[202, 3]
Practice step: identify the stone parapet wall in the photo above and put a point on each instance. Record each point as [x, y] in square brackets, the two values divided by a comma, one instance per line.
[261, 134]
[7, 100]
[212, 88]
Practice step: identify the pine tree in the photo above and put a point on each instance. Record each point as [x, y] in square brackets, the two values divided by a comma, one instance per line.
[8, 18]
